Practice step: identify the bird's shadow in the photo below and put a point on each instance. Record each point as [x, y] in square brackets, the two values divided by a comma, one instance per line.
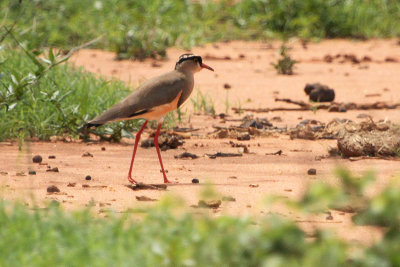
[142, 186]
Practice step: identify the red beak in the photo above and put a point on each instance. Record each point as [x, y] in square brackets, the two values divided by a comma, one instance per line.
[206, 67]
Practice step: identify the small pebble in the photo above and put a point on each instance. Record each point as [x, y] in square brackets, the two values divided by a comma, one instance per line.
[227, 86]
[88, 178]
[32, 172]
[195, 181]
[37, 159]
[52, 157]
[53, 189]
[312, 172]
[103, 149]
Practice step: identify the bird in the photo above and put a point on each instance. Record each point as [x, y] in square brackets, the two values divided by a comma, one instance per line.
[153, 99]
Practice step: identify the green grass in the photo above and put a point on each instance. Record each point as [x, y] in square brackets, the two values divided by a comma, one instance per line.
[139, 29]
[39, 103]
[164, 235]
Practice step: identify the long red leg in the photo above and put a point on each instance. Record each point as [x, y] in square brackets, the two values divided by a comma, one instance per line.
[158, 152]
[137, 138]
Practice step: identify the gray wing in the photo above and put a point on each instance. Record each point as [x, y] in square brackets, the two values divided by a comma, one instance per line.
[152, 93]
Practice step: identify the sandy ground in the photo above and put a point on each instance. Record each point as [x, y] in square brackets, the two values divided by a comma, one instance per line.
[254, 84]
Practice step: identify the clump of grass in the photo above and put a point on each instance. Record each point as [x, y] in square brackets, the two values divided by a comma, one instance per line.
[202, 103]
[285, 63]
[37, 101]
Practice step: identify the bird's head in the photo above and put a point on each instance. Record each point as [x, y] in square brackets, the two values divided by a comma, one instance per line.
[192, 63]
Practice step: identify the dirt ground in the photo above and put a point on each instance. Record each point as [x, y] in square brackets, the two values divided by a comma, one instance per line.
[246, 67]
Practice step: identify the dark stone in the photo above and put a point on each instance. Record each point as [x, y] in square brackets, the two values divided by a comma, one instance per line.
[195, 181]
[53, 189]
[322, 95]
[88, 178]
[37, 159]
[312, 171]
[32, 172]
[52, 157]
[227, 86]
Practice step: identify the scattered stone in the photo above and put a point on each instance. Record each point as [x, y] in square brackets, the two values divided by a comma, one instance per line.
[52, 157]
[20, 174]
[232, 177]
[88, 178]
[55, 169]
[328, 58]
[85, 185]
[71, 184]
[103, 149]
[212, 204]
[195, 181]
[144, 198]
[32, 172]
[87, 154]
[253, 185]
[390, 59]
[228, 198]
[288, 190]
[37, 159]
[312, 171]
[3, 173]
[53, 189]
[329, 217]
[244, 137]
[227, 86]
[186, 155]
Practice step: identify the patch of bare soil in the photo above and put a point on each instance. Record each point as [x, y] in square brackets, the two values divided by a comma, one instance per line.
[268, 148]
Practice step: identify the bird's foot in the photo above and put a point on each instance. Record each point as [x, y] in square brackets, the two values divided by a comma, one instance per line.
[131, 180]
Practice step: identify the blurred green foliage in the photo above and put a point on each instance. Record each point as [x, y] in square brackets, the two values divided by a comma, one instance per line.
[139, 29]
[167, 236]
[39, 98]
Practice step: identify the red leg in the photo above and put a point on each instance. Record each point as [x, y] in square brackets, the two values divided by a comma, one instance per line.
[137, 138]
[158, 152]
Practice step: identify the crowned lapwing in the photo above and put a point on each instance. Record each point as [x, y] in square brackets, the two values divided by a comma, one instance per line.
[153, 99]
